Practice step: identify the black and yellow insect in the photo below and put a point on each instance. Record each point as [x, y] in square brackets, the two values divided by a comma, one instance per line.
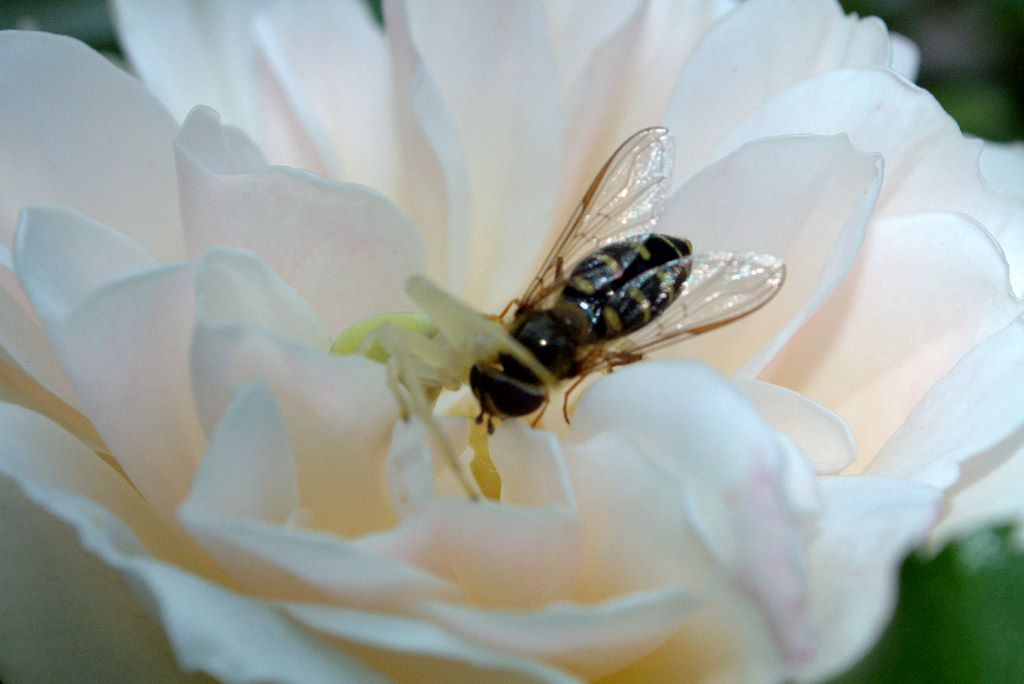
[628, 292]
[609, 291]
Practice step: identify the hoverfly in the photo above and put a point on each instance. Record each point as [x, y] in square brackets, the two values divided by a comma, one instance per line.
[610, 291]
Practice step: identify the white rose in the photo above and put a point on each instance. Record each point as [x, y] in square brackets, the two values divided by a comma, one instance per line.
[242, 504]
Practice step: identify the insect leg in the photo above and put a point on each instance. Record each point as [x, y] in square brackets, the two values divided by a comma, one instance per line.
[565, 397]
[540, 412]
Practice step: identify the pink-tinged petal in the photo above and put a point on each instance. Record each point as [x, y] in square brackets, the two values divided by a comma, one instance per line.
[191, 54]
[637, 534]
[1002, 164]
[783, 43]
[61, 257]
[79, 132]
[608, 56]
[929, 165]
[977, 410]
[532, 469]
[805, 199]
[730, 465]
[866, 528]
[126, 351]
[432, 187]
[591, 640]
[328, 240]
[898, 324]
[906, 56]
[507, 557]
[409, 650]
[333, 60]
[338, 410]
[65, 615]
[244, 500]
[483, 57]
[821, 434]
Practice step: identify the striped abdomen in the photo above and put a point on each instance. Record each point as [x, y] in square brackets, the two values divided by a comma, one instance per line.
[625, 285]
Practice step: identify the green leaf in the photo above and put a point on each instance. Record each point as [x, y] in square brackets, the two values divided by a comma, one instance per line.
[959, 618]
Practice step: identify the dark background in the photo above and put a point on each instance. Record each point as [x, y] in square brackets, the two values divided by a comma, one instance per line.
[972, 52]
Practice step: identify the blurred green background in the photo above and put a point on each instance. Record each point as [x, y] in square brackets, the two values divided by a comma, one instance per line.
[972, 53]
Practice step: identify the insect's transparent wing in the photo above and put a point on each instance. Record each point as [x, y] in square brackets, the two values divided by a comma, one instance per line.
[721, 288]
[624, 199]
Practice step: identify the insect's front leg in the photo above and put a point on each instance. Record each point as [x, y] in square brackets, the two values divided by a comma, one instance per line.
[540, 412]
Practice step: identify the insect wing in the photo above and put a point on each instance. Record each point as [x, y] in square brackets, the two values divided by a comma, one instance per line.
[721, 288]
[624, 199]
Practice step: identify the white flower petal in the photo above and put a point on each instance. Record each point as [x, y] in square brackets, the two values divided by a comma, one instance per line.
[412, 650]
[633, 54]
[338, 410]
[929, 165]
[969, 412]
[125, 349]
[238, 287]
[866, 528]
[898, 324]
[483, 57]
[988, 492]
[191, 54]
[821, 434]
[733, 468]
[212, 630]
[432, 185]
[31, 375]
[533, 471]
[1002, 164]
[77, 620]
[636, 532]
[123, 345]
[782, 43]
[61, 257]
[241, 506]
[507, 557]
[248, 471]
[906, 56]
[303, 45]
[805, 199]
[591, 640]
[46, 460]
[238, 639]
[328, 240]
[107, 141]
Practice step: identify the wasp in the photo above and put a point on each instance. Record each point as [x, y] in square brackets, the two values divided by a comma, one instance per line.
[610, 291]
